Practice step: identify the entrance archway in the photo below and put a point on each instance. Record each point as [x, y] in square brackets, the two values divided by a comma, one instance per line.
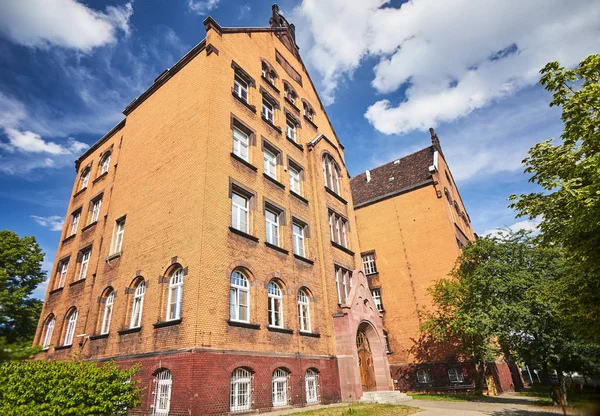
[365, 361]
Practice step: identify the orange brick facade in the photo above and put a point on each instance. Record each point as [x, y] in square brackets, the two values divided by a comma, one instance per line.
[168, 186]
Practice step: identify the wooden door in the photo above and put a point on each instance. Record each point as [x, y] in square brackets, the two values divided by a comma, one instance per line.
[365, 362]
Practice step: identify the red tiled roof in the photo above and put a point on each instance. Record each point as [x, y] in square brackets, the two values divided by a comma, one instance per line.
[392, 178]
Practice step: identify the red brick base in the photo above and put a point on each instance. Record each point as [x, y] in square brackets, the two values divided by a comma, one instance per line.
[201, 380]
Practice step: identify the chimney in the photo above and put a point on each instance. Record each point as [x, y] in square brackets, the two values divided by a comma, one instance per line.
[368, 176]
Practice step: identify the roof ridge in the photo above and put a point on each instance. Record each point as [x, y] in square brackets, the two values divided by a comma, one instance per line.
[392, 161]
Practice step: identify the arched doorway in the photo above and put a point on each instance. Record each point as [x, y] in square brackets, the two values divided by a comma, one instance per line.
[365, 362]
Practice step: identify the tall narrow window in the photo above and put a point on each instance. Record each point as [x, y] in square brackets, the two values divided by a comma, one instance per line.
[240, 88]
[118, 236]
[338, 227]
[70, 330]
[331, 173]
[48, 333]
[105, 163]
[63, 268]
[239, 298]
[312, 386]
[294, 180]
[272, 224]
[175, 295]
[455, 375]
[74, 223]
[280, 387]
[83, 267]
[241, 141]
[268, 111]
[241, 389]
[85, 178]
[343, 283]
[298, 231]
[369, 266]
[137, 306]
[162, 394]
[386, 339]
[303, 311]
[376, 293]
[239, 212]
[107, 314]
[275, 305]
[290, 129]
[270, 163]
[96, 204]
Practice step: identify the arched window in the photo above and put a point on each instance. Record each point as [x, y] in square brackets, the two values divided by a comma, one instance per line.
[331, 173]
[137, 305]
[241, 390]
[455, 375]
[309, 111]
[175, 295]
[268, 73]
[280, 387]
[85, 178]
[109, 301]
[303, 311]
[105, 163]
[275, 305]
[48, 329]
[312, 386]
[289, 93]
[71, 320]
[239, 297]
[423, 376]
[162, 393]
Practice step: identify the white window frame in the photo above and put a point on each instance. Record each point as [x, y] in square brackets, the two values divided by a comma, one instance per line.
[369, 264]
[275, 308]
[241, 144]
[298, 231]
[162, 393]
[74, 223]
[175, 295]
[109, 302]
[376, 293]
[311, 379]
[279, 386]
[304, 311]
[240, 87]
[85, 179]
[290, 129]
[70, 330]
[270, 165]
[137, 306]
[423, 376]
[295, 181]
[240, 214]
[239, 283]
[119, 233]
[105, 164]
[272, 227]
[455, 375]
[85, 261]
[96, 205]
[268, 110]
[240, 399]
[48, 333]
[63, 269]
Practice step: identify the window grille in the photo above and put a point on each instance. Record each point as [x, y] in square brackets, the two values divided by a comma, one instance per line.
[312, 386]
[280, 387]
[241, 391]
[455, 375]
[423, 376]
[162, 394]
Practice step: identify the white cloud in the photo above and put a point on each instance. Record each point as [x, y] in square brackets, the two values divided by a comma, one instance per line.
[27, 141]
[54, 222]
[526, 225]
[452, 57]
[65, 23]
[244, 10]
[202, 6]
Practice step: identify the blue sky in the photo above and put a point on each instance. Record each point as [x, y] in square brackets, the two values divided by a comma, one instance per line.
[387, 70]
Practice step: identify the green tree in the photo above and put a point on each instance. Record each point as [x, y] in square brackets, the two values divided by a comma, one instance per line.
[20, 273]
[45, 388]
[568, 171]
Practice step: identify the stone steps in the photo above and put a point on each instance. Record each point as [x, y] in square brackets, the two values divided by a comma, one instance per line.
[389, 397]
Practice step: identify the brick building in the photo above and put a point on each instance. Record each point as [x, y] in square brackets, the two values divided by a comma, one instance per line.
[211, 238]
[412, 225]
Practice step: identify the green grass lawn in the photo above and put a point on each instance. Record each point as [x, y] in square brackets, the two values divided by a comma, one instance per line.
[448, 397]
[364, 410]
[576, 397]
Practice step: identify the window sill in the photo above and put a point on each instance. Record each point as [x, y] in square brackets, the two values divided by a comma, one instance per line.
[82, 190]
[243, 324]
[100, 177]
[287, 100]
[63, 347]
[243, 162]
[274, 181]
[304, 259]
[341, 247]
[99, 336]
[113, 256]
[53, 291]
[243, 234]
[246, 103]
[69, 238]
[274, 247]
[90, 225]
[339, 198]
[298, 145]
[76, 282]
[309, 121]
[129, 330]
[273, 87]
[278, 329]
[309, 334]
[300, 197]
[167, 323]
[270, 124]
